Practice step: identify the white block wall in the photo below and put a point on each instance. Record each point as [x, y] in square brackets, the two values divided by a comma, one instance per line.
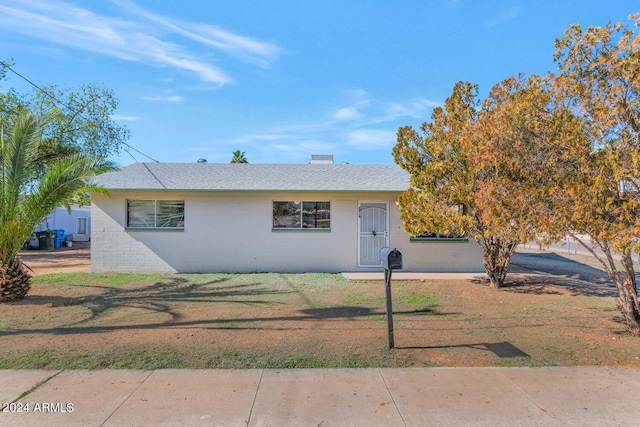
[232, 232]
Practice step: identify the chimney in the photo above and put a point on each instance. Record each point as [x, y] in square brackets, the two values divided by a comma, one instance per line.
[321, 159]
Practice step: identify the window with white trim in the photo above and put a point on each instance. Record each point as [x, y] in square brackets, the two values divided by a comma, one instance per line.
[428, 236]
[301, 215]
[164, 214]
[437, 236]
[81, 226]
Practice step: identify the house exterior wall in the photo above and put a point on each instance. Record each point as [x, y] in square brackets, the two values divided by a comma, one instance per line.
[61, 219]
[232, 232]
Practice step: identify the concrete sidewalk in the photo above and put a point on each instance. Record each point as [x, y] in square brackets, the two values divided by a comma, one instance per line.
[408, 275]
[323, 397]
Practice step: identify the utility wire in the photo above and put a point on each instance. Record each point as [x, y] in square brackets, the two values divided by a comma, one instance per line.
[66, 105]
[129, 153]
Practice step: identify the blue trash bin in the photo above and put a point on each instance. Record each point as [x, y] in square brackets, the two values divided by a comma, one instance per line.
[57, 243]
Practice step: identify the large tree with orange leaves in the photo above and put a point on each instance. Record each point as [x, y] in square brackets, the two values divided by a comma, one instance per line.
[449, 187]
[540, 157]
[599, 80]
[490, 158]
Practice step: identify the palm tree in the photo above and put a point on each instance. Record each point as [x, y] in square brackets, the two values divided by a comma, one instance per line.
[239, 157]
[26, 201]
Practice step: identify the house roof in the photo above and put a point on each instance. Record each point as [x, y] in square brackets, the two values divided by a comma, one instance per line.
[256, 177]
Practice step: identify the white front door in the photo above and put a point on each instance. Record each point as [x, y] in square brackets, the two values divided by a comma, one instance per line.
[373, 226]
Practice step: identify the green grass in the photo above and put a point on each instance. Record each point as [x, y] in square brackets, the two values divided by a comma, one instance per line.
[363, 298]
[227, 324]
[419, 300]
[114, 280]
[175, 358]
[67, 308]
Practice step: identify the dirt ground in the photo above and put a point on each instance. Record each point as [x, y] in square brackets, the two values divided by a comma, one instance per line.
[540, 319]
[76, 259]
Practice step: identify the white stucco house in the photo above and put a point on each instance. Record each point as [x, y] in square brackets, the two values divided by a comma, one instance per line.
[206, 217]
[75, 225]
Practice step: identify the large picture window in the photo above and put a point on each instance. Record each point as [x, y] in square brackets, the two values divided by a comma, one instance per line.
[155, 214]
[301, 215]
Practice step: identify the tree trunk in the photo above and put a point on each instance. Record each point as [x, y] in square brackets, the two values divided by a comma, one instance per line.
[627, 301]
[15, 282]
[624, 280]
[497, 257]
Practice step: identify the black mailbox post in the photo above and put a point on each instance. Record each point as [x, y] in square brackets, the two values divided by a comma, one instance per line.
[390, 259]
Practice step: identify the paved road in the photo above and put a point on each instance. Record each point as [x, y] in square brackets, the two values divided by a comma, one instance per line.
[581, 267]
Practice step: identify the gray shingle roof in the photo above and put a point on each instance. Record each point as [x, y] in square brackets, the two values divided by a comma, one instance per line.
[257, 177]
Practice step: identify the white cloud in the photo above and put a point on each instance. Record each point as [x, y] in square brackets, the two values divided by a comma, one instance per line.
[505, 16]
[348, 126]
[366, 110]
[133, 40]
[318, 147]
[368, 139]
[125, 118]
[264, 136]
[236, 45]
[417, 108]
[287, 148]
[170, 98]
[346, 113]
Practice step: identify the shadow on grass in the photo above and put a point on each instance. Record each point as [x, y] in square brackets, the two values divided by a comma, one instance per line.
[158, 297]
[554, 274]
[500, 349]
[347, 312]
[557, 285]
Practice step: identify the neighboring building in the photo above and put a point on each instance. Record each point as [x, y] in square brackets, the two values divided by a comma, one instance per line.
[76, 225]
[206, 217]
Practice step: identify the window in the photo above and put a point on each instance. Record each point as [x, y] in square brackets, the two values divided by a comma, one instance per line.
[459, 208]
[439, 237]
[155, 213]
[302, 215]
[81, 226]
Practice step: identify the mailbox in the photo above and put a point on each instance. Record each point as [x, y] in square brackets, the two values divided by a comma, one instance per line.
[391, 259]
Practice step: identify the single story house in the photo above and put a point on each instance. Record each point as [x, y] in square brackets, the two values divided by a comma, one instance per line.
[76, 225]
[205, 217]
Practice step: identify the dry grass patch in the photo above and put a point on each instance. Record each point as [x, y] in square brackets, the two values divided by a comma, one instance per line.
[307, 320]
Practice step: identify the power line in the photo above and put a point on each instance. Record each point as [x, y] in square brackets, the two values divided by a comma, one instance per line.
[33, 84]
[7, 66]
[129, 153]
[140, 152]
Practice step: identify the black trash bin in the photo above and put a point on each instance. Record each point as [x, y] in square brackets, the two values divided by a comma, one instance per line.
[46, 239]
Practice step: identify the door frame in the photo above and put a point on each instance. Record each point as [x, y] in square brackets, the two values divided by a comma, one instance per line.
[387, 226]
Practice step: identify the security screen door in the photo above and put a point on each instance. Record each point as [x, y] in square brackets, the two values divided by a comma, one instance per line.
[374, 232]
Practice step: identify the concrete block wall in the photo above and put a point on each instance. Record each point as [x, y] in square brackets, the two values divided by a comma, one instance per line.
[114, 250]
[232, 232]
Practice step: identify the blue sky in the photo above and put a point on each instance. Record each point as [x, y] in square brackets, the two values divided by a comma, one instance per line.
[282, 79]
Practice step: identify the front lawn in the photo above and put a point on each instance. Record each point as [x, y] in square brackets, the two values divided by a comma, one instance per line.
[307, 320]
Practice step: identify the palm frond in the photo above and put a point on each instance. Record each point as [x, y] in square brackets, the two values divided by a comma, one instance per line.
[24, 201]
